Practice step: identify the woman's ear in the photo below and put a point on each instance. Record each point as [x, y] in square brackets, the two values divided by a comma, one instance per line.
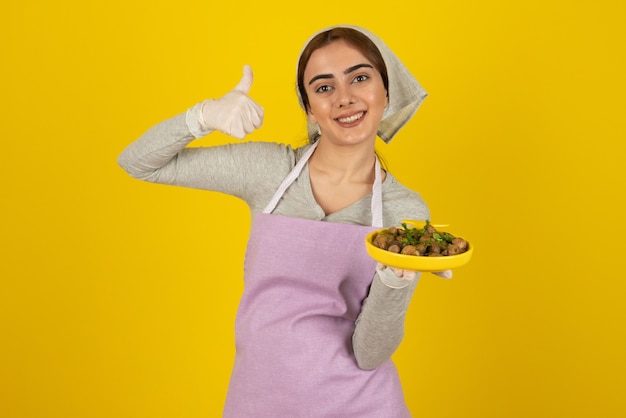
[311, 117]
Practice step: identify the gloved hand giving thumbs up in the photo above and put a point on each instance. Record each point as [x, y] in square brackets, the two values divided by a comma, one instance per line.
[235, 113]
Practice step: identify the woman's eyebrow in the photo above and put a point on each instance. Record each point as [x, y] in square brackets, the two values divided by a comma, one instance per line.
[356, 67]
[347, 71]
[317, 77]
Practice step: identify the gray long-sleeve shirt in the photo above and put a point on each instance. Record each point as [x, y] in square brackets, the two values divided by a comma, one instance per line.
[252, 171]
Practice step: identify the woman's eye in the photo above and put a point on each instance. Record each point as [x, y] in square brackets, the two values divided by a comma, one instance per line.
[360, 78]
[323, 89]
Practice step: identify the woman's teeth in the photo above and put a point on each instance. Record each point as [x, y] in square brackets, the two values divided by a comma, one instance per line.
[351, 119]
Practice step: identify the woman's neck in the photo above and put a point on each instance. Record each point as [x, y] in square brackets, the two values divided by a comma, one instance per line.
[354, 164]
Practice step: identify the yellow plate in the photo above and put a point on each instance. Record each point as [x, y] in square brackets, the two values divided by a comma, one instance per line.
[414, 262]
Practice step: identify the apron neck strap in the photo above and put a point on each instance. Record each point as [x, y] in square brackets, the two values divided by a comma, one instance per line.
[377, 194]
[377, 197]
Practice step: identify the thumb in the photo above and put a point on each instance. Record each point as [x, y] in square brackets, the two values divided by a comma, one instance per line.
[246, 81]
[445, 274]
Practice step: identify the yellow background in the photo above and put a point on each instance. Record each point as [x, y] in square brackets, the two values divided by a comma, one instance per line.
[118, 297]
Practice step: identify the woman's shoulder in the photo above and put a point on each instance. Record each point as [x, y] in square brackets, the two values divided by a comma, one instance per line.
[401, 202]
[272, 150]
[255, 155]
[265, 147]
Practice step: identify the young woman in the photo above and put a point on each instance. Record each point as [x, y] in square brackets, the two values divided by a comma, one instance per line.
[318, 320]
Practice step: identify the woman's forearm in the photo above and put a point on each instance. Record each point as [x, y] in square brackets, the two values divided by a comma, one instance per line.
[380, 325]
[156, 148]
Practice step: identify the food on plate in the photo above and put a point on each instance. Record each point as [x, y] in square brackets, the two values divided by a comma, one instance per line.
[424, 241]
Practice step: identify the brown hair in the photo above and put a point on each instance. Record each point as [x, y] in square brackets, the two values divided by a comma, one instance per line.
[352, 37]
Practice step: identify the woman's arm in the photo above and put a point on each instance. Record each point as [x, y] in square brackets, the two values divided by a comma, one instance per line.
[250, 171]
[160, 155]
[152, 156]
[380, 325]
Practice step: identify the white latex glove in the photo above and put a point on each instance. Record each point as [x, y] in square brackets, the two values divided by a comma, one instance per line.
[446, 274]
[394, 277]
[235, 113]
[398, 278]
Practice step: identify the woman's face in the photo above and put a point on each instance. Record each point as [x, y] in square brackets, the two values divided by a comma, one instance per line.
[346, 94]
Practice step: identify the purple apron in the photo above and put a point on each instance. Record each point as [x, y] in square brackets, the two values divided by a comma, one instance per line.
[305, 282]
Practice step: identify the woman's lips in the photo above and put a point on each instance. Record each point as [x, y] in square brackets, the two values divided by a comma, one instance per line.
[351, 118]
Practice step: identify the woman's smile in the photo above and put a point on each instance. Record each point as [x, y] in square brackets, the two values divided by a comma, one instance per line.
[351, 119]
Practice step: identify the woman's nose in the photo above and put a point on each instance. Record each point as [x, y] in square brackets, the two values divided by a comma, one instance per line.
[345, 96]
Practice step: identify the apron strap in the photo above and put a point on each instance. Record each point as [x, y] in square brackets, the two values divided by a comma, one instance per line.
[291, 177]
[377, 195]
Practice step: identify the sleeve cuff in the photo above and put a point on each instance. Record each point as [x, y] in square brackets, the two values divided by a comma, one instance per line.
[389, 279]
[194, 121]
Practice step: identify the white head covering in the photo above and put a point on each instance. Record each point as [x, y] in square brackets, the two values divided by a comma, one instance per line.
[405, 93]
